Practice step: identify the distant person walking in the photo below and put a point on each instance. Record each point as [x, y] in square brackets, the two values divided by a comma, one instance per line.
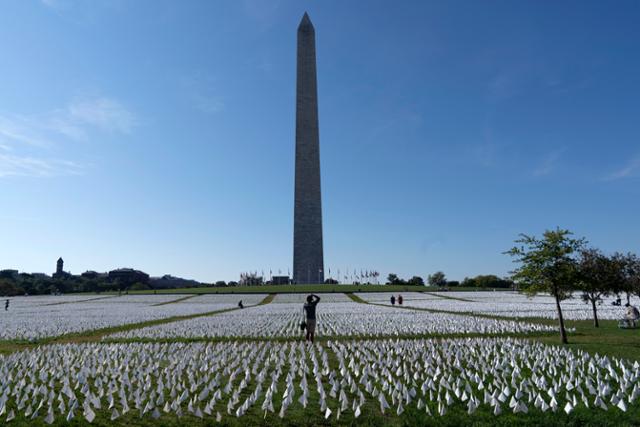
[393, 300]
[399, 299]
[240, 304]
[310, 310]
[6, 305]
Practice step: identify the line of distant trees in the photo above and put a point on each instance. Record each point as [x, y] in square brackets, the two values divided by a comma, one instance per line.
[439, 280]
[13, 283]
[25, 283]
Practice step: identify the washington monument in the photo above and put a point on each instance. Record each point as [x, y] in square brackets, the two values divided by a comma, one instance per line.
[308, 263]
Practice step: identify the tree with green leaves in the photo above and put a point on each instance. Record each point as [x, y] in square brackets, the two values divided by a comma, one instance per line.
[9, 288]
[629, 265]
[393, 279]
[416, 281]
[598, 276]
[469, 282]
[437, 279]
[548, 265]
[632, 273]
[487, 281]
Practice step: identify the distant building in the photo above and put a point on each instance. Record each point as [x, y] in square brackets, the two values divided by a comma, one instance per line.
[60, 273]
[128, 276]
[90, 274]
[280, 280]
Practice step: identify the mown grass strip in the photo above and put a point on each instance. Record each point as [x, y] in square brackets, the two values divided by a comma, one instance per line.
[447, 297]
[607, 339]
[174, 301]
[355, 298]
[267, 299]
[79, 301]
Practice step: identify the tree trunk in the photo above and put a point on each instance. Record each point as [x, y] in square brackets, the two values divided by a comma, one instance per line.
[595, 313]
[563, 333]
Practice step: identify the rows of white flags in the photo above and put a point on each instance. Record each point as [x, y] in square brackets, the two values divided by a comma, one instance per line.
[340, 379]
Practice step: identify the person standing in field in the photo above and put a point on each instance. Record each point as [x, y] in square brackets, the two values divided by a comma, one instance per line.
[393, 300]
[310, 312]
[6, 305]
[399, 299]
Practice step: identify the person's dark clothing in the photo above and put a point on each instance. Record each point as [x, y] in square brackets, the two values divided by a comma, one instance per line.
[240, 304]
[393, 300]
[6, 305]
[310, 308]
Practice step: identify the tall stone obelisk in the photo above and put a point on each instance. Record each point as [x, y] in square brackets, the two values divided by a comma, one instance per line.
[308, 263]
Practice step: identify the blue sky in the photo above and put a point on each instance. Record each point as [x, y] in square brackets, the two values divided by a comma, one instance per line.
[160, 134]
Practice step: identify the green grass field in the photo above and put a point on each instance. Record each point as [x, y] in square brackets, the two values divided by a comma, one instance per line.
[607, 340]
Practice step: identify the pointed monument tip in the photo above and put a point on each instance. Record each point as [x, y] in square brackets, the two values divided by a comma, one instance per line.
[305, 22]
